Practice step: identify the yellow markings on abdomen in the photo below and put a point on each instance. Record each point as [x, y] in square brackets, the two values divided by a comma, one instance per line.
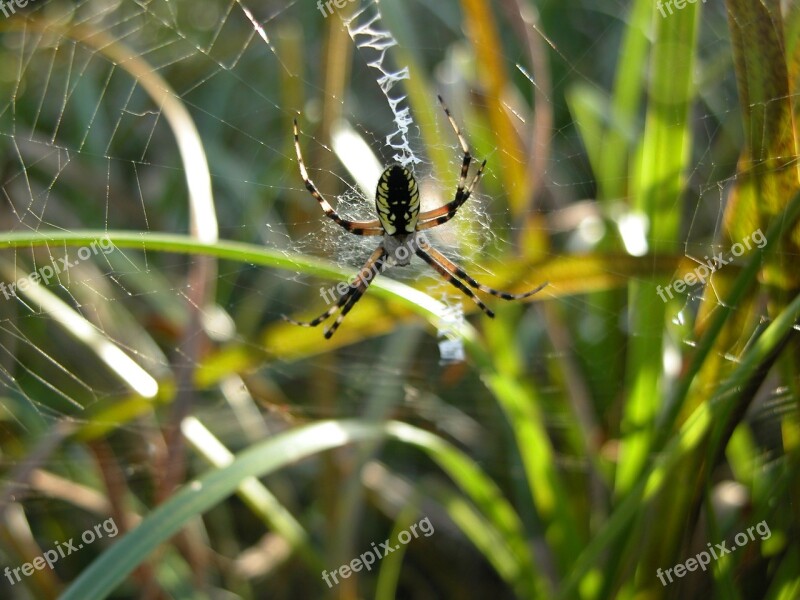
[397, 200]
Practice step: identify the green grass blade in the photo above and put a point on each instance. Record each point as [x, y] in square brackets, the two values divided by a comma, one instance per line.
[198, 496]
[664, 159]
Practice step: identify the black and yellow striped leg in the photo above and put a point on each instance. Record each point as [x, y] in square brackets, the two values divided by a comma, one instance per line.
[457, 271]
[437, 216]
[363, 284]
[450, 278]
[464, 148]
[355, 290]
[356, 227]
[443, 214]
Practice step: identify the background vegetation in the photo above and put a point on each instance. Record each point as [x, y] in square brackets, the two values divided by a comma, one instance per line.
[589, 438]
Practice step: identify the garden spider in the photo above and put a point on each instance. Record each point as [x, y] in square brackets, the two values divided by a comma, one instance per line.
[399, 221]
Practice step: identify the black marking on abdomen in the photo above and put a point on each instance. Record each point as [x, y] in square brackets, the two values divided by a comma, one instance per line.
[397, 200]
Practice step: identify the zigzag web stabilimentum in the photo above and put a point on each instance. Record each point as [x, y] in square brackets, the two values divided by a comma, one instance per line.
[374, 43]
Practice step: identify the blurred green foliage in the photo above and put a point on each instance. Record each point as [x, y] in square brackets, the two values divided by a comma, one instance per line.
[590, 441]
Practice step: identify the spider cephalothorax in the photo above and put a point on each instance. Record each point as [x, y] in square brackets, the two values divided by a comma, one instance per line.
[399, 222]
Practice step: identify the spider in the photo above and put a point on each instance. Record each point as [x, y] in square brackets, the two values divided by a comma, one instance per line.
[399, 222]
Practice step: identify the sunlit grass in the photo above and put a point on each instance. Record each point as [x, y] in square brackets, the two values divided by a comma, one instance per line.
[610, 416]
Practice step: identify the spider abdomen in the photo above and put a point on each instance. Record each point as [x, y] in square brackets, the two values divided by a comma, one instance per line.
[397, 201]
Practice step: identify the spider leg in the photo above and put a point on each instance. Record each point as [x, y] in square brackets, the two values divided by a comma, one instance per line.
[363, 284]
[356, 227]
[463, 191]
[467, 156]
[457, 271]
[450, 278]
[352, 295]
[437, 216]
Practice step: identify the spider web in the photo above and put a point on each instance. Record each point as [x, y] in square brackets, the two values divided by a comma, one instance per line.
[86, 147]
